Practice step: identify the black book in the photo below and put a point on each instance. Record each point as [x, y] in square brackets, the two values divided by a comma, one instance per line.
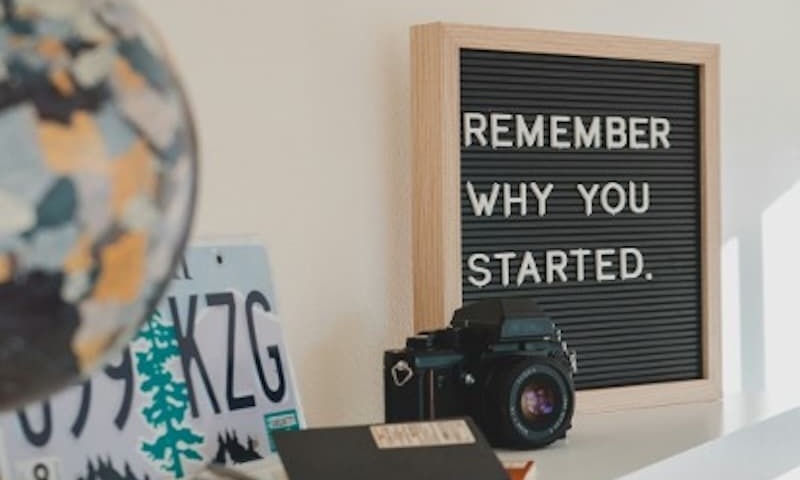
[441, 450]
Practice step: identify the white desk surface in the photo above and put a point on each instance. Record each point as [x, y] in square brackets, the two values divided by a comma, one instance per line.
[610, 445]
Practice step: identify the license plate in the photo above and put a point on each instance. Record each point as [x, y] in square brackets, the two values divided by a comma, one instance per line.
[205, 379]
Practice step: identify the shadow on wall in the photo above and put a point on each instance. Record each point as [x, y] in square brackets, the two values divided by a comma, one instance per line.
[760, 258]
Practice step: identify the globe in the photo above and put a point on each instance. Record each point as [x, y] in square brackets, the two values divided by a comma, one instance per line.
[97, 186]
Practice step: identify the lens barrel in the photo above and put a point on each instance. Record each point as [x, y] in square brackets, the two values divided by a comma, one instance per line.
[532, 404]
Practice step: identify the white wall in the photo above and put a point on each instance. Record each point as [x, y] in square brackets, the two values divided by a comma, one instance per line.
[303, 112]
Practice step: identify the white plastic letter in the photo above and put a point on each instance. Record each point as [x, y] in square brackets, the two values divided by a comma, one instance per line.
[600, 264]
[483, 204]
[580, 264]
[496, 129]
[541, 196]
[556, 263]
[471, 130]
[587, 138]
[616, 137]
[621, 198]
[636, 132]
[486, 274]
[556, 130]
[624, 273]
[528, 268]
[588, 197]
[634, 205]
[533, 136]
[521, 199]
[659, 132]
[504, 258]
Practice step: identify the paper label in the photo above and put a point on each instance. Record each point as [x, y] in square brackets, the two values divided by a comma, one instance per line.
[422, 434]
[280, 422]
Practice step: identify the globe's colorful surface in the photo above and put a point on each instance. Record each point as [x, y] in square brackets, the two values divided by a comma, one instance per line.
[97, 175]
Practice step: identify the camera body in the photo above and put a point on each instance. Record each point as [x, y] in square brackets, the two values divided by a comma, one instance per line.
[501, 361]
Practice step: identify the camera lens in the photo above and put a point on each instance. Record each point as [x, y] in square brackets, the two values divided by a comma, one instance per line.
[533, 403]
[538, 401]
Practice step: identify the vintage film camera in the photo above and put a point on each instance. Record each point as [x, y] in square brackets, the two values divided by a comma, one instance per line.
[501, 361]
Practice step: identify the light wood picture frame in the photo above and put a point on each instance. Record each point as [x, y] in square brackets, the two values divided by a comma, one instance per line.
[436, 151]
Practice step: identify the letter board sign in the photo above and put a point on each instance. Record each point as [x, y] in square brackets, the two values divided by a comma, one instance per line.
[579, 170]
